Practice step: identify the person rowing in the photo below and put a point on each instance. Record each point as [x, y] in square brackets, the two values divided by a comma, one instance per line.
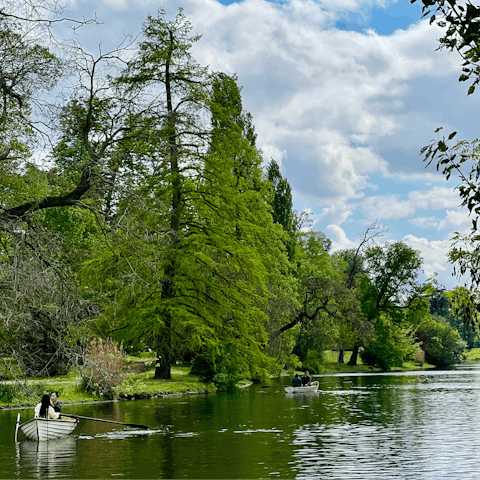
[57, 406]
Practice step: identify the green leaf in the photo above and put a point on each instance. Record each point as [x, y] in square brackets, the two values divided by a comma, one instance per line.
[452, 135]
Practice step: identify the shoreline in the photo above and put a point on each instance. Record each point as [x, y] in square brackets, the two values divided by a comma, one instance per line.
[129, 398]
[138, 392]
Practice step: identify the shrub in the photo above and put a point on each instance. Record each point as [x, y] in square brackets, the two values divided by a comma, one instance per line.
[442, 343]
[20, 394]
[222, 367]
[229, 364]
[104, 364]
[7, 392]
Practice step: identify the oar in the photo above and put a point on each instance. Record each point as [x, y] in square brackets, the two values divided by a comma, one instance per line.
[145, 427]
[322, 383]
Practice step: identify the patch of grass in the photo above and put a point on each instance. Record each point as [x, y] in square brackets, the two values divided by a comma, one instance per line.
[331, 365]
[180, 383]
[70, 388]
[473, 355]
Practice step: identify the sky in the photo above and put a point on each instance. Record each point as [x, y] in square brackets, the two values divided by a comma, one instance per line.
[344, 94]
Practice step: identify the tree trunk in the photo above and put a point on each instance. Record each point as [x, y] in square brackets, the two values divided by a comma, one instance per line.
[163, 370]
[164, 343]
[341, 353]
[164, 350]
[353, 359]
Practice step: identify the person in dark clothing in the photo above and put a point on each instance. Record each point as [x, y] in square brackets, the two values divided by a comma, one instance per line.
[306, 379]
[54, 401]
[297, 382]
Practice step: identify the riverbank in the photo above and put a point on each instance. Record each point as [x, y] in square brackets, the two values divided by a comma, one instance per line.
[140, 384]
[137, 384]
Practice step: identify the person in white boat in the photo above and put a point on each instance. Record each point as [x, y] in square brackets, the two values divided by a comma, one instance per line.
[57, 406]
[297, 381]
[45, 410]
[306, 379]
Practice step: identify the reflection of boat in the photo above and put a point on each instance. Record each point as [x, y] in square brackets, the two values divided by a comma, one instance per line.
[312, 388]
[40, 429]
[52, 459]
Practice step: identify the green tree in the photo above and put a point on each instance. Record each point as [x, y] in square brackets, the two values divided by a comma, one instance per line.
[392, 284]
[282, 206]
[164, 64]
[200, 287]
[321, 297]
[463, 314]
[392, 344]
[354, 270]
[389, 292]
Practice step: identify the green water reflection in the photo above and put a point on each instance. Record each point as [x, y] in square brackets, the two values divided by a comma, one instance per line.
[378, 426]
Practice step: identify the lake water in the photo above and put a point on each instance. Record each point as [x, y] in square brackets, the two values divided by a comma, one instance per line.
[378, 426]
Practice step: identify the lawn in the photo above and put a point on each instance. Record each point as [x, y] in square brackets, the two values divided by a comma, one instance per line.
[473, 355]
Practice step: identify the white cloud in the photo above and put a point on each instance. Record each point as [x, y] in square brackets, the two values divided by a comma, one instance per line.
[117, 4]
[339, 212]
[425, 222]
[322, 95]
[436, 198]
[271, 152]
[457, 219]
[352, 5]
[424, 177]
[339, 238]
[434, 253]
[388, 207]
[314, 90]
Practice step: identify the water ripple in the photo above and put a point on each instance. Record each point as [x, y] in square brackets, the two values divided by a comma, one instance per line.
[409, 436]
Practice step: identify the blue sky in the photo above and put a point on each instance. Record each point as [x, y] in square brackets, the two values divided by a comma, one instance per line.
[383, 19]
[344, 93]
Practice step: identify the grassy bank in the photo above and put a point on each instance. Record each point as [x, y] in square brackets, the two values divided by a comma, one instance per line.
[137, 384]
[181, 383]
[473, 356]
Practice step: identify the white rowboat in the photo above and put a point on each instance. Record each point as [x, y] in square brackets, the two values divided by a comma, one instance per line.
[310, 389]
[40, 429]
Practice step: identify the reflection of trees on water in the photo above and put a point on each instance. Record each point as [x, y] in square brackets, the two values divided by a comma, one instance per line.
[48, 459]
